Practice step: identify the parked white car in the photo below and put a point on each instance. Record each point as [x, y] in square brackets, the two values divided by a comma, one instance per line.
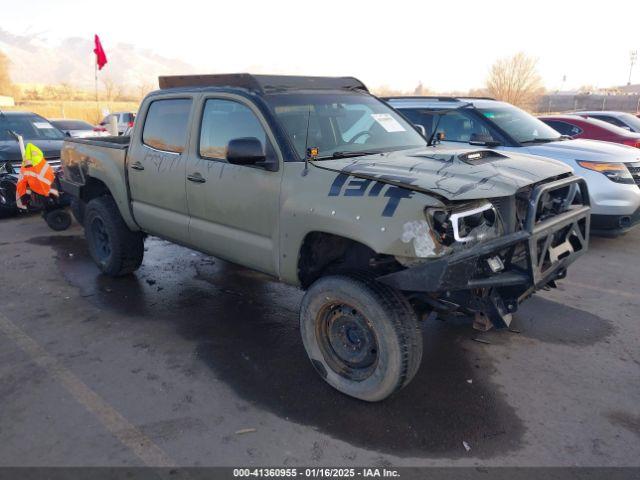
[612, 171]
[624, 120]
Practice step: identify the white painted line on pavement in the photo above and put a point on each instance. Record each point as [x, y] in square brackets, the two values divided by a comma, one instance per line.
[141, 445]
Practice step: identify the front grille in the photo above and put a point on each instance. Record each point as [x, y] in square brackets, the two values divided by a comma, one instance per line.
[634, 169]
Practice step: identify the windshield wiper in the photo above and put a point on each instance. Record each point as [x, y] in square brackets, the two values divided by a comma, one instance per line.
[542, 140]
[346, 154]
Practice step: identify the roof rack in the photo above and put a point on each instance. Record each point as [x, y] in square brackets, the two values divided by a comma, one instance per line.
[262, 83]
[436, 97]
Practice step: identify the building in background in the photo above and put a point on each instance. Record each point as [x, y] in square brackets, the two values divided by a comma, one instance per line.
[7, 101]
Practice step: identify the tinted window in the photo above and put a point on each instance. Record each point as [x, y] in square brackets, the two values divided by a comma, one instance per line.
[72, 125]
[611, 120]
[456, 126]
[166, 125]
[564, 128]
[225, 120]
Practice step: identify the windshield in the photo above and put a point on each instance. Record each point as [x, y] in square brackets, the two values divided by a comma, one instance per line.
[31, 127]
[631, 120]
[339, 123]
[519, 125]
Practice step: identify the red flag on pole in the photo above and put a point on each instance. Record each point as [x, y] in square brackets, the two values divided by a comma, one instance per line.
[101, 57]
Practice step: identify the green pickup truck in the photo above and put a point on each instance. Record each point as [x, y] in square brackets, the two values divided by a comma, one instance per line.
[321, 185]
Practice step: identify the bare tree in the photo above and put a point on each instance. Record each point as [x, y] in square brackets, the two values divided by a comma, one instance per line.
[6, 86]
[143, 89]
[515, 80]
[110, 88]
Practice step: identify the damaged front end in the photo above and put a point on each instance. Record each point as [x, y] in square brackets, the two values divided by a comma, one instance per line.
[495, 254]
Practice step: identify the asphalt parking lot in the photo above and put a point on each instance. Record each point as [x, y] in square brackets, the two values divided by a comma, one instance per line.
[193, 361]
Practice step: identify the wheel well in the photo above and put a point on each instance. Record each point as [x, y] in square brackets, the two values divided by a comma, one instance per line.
[92, 189]
[325, 252]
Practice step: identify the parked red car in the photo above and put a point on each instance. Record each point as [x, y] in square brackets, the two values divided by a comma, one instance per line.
[577, 126]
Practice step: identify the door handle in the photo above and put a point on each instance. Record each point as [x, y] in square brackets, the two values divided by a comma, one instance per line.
[196, 178]
[137, 166]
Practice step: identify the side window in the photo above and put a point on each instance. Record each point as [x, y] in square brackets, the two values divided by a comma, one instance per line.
[458, 127]
[421, 117]
[165, 127]
[225, 120]
[564, 128]
[611, 120]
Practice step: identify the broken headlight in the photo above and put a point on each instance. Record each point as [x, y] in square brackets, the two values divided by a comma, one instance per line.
[468, 223]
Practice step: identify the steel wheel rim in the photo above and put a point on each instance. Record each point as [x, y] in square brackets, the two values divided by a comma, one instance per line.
[101, 241]
[347, 341]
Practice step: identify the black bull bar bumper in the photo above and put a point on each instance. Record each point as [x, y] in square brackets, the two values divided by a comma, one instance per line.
[533, 258]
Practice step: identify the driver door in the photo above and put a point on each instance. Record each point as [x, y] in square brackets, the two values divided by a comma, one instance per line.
[233, 209]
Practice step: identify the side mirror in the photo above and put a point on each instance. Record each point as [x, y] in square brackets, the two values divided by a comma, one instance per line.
[245, 151]
[67, 133]
[421, 129]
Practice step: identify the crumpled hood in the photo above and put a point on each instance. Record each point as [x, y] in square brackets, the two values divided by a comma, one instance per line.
[456, 174]
[10, 150]
[581, 149]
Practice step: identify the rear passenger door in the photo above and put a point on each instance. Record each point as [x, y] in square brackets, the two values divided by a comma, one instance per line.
[156, 168]
[233, 208]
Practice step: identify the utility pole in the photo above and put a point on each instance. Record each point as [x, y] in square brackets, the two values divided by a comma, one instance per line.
[632, 60]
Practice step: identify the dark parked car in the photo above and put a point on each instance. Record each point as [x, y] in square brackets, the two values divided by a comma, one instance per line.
[34, 129]
[78, 128]
[576, 126]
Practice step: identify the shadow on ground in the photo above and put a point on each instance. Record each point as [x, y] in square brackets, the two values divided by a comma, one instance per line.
[245, 328]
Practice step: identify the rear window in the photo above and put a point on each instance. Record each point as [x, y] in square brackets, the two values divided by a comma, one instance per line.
[72, 125]
[165, 127]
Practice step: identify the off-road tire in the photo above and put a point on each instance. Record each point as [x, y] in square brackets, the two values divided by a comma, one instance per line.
[389, 316]
[116, 250]
[8, 208]
[78, 208]
[58, 219]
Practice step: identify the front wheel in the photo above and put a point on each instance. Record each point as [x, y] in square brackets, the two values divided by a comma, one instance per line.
[361, 336]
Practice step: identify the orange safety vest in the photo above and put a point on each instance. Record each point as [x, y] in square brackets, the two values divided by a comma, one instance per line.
[36, 176]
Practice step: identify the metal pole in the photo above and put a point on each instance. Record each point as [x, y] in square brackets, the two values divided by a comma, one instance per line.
[96, 81]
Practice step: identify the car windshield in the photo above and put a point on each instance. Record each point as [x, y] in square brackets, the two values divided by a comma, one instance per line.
[31, 127]
[631, 120]
[342, 124]
[72, 125]
[519, 125]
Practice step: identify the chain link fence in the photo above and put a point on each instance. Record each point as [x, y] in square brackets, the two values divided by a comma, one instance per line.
[570, 103]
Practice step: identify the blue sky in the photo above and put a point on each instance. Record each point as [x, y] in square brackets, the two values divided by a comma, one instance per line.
[445, 45]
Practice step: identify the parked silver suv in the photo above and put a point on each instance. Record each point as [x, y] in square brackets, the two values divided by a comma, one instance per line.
[612, 171]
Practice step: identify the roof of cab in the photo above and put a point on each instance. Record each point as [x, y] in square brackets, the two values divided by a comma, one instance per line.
[442, 102]
[260, 84]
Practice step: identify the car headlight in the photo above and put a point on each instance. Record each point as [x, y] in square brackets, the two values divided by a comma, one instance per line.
[616, 172]
[469, 223]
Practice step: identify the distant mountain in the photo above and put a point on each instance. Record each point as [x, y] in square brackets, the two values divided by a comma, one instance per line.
[34, 60]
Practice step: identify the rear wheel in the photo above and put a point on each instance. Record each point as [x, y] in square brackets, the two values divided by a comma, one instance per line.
[115, 249]
[361, 336]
